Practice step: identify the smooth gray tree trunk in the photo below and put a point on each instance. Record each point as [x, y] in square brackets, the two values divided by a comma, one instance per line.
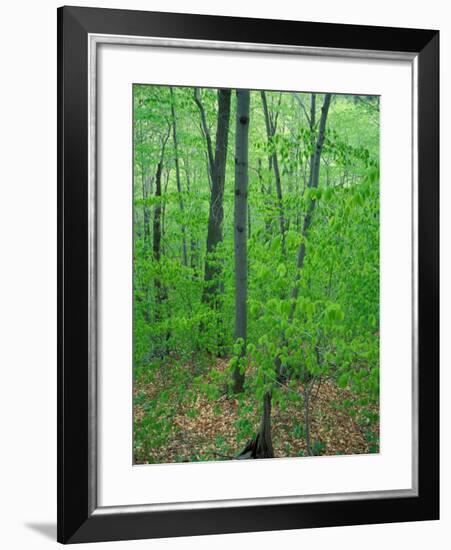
[240, 228]
[177, 176]
[274, 162]
[156, 242]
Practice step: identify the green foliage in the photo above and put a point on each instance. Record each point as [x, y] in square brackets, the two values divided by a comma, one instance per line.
[329, 330]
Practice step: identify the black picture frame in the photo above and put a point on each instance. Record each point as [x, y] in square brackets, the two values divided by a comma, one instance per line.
[79, 520]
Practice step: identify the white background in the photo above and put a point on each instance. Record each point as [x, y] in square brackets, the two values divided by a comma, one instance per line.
[28, 289]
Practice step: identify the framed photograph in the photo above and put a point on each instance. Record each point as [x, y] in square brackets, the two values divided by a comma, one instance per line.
[248, 274]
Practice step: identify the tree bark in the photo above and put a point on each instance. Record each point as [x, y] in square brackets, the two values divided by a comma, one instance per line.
[217, 169]
[193, 242]
[240, 229]
[160, 291]
[313, 183]
[264, 440]
[177, 176]
[144, 190]
[261, 446]
[274, 162]
[307, 389]
[312, 124]
[156, 244]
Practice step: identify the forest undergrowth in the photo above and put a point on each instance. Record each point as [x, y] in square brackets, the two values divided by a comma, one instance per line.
[203, 428]
[255, 274]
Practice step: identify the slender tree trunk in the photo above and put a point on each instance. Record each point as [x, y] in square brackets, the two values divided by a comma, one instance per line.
[193, 242]
[146, 222]
[312, 124]
[313, 182]
[264, 192]
[208, 169]
[270, 130]
[157, 231]
[258, 447]
[177, 176]
[240, 229]
[217, 169]
[264, 440]
[167, 174]
[144, 190]
[261, 446]
[156, 245]
[307, 389]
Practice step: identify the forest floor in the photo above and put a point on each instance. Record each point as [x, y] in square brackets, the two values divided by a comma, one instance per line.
[205, 429]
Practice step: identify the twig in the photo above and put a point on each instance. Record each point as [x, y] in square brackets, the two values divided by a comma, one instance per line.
[317, 389]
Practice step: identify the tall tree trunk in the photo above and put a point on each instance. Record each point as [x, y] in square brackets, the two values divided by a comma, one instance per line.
[177, 175]
[146, 216]
[261, 446]
[264, 192]
[217, 169]
[156, 245]
[313, 183]
[157, 231]
[240, 229]
[274, 162]
[264, 440]
[144, 190]
[167, 174]
[193, 242]
[307, 389]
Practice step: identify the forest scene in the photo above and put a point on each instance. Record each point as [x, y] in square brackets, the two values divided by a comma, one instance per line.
[255, 274]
